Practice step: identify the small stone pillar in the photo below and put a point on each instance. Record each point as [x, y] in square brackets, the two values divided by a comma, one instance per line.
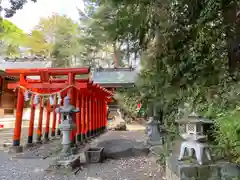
[66, 125]
[155, 136]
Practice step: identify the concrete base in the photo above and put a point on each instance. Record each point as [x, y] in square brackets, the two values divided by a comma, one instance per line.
[155, 143]
[15, 149]
[39, 142]
[119, 148]
[74, 150]
[7, 144]
[182, 170]
[29, 145]
[72, 161]
[46, 141]
[65, 165]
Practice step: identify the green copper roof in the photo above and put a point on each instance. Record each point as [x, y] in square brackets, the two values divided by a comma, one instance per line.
[114, 77]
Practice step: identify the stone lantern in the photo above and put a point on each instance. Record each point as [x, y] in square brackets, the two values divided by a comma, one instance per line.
[192, 131]
[154, 132]
[66, 125]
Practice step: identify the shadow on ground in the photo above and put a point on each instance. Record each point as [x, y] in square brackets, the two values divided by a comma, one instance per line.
[120, 148]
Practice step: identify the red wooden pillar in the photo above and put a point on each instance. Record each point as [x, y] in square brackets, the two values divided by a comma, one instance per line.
[82, 116]
[40, 119]
[74, 103]
[72, 94]
[54, 117]
[97, 113]
[59, 119]
[90, 117]
[100, 115]
[48, 116]
[86, 117]
[94, 115]
[31, 122]
[78, 118]
[19, 113]
[105, 114]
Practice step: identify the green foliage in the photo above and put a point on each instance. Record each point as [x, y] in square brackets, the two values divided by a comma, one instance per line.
[127, 102]
[37, 44]
[15, 5]
[57, 37]
[189, 55]
[11, 38]
[228, 134]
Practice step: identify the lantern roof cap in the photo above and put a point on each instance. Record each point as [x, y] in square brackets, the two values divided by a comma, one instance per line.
[152, 121]
[194, 118]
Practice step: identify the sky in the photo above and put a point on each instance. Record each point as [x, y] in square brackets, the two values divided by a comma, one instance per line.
[29, 16]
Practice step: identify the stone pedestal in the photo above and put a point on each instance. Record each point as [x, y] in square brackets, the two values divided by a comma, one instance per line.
[69, 162]
[65, 165]
[66, 128]
[15, 149]
[155, 136]
[182, 170]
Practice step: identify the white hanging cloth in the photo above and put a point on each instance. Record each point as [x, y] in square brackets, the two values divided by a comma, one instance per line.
[26, 96]
[59, 98]
[36, 99]
[51, 100]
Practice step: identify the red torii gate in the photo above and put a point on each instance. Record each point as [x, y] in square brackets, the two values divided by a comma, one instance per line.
[84, 94]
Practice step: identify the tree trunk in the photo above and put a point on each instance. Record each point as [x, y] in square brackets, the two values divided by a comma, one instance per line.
[233, 37]
[115, 55]
[128, 54]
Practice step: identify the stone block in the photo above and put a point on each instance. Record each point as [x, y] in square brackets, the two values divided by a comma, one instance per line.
[170, 175]
[15, 149]
[29, 145]
[188, 171]
[208, 172]
[182, 170]
[94, 155]
[229, 171]
[69, 162]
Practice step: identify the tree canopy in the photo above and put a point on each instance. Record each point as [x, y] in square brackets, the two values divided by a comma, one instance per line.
[15, 5]
[189, 53]
[11, 38]
[59, 39]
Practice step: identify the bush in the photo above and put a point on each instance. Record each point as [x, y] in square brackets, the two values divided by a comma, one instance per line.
[228, 134]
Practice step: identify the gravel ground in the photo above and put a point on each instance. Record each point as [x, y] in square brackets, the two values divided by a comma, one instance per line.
[137, 168]
[140, 168]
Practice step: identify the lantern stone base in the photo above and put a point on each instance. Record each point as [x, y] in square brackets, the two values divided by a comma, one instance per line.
[15, 149]
[65, 164]
[29, 145]
[160, 141]
[71, 161]
[181, 170]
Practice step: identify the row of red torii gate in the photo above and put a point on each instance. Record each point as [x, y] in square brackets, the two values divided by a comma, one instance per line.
[57, 83]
